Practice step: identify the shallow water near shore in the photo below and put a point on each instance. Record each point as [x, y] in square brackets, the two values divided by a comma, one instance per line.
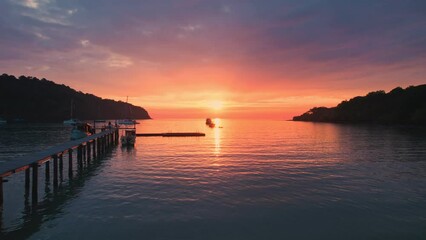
[247, 180]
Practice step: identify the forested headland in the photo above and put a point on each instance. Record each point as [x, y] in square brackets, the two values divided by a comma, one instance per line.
[40, 100]
[399, 106]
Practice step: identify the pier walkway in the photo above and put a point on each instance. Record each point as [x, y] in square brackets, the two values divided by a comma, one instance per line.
[87, 148]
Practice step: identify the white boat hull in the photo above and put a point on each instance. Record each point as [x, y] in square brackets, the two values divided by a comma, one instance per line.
[77, 134]
[71, 122]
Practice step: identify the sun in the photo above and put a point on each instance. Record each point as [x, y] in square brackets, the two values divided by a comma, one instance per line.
[216, 105]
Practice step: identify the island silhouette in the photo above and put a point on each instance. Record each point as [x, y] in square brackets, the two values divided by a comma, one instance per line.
[39, 100]
[399, 106]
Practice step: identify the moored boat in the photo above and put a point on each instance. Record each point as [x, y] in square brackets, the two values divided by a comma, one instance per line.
[71, 121]
[129, 137]
[81, 130]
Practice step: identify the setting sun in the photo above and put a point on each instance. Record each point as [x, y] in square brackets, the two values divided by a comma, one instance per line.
[216, 105]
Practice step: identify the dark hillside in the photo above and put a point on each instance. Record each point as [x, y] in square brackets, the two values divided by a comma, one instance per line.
[35, 100]
[399, 106]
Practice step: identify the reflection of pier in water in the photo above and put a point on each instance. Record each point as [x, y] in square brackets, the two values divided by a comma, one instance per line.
[90, 152]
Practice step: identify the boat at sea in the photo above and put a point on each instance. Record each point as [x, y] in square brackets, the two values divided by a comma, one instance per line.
[128, 120]
[210, 123]
[129, 137]
[81, 130]
[71, 121]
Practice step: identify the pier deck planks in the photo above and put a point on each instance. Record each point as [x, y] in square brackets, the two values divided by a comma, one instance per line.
[24, 162]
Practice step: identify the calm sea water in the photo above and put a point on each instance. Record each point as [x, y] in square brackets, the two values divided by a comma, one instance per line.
[247, 180]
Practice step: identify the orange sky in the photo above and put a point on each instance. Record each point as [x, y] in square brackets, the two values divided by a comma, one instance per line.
[256, 59]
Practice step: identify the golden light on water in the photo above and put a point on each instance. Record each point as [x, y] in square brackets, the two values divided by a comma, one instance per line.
[217, 136]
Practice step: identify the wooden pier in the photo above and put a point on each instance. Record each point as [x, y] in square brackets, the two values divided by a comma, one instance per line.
[172, 134]
[88, 148]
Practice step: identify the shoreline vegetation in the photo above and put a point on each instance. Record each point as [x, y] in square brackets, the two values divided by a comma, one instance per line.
[30, 99]
[399, 106]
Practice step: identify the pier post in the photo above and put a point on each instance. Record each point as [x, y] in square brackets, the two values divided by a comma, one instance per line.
[105, 143]
[89, 151]
[55, 171]
[34, 191]
[27, 183]
[117, 135]
[98, 147]
[1, 194]
[79, 156]
[70, 163]
[47, 172]
[61, 167]
[94, 148]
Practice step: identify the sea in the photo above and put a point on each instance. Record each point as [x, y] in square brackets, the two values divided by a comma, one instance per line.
[246, 179]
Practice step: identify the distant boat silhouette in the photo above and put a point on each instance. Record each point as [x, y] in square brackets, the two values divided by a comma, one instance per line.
[129, 137]
[128, 120]
[210, 123]
[81, 130]
[71, 121]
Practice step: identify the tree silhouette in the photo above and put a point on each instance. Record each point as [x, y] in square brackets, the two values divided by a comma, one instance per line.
[41, 100]
[399, 106]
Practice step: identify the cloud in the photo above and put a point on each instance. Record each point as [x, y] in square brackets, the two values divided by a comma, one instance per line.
[85, 43]
[277, 45]
[191, 28]
[28, 3]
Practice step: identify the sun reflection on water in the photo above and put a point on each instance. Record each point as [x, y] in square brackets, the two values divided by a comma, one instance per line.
[217, 137]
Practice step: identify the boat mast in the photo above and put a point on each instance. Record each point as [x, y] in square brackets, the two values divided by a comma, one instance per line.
[72, 108]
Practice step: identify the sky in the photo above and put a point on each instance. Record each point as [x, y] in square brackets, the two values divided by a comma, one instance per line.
[233, 59]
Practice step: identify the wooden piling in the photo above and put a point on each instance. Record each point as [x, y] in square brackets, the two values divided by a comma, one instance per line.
[79, 156]
[47, 172]
[94, 146]
[103, 145]
[55, 171]
[27, 183]
[70, 163]
[1, 194]
[98, 147]
[61, 167]
[88, 151]
[34, 191]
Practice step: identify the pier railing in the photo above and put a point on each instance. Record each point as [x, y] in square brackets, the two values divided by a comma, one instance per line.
[87, 148]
